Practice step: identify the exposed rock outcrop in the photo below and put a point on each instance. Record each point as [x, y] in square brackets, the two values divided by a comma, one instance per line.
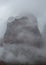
[22, 42]
[23, 30]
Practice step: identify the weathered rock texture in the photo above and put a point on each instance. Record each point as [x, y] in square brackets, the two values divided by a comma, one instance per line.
[23, 31]
[22, 42]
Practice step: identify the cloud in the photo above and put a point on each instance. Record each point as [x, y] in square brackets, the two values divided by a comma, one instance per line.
[15, 7]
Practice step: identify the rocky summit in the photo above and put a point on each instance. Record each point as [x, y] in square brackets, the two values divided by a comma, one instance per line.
[23, 30]
[22, 42]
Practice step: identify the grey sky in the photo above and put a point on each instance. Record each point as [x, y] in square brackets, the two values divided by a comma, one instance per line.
[15, 7]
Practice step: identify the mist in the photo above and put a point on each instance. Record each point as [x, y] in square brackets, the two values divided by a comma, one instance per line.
[10, 8]
[14, 8]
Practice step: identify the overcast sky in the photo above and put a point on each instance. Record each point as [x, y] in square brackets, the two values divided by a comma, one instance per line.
[15, 7]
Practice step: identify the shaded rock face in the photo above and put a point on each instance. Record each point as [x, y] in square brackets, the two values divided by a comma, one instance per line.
[21, 43]
[23, 31]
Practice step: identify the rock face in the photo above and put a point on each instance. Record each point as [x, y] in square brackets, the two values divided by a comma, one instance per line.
[23, 30]
[21, 42]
